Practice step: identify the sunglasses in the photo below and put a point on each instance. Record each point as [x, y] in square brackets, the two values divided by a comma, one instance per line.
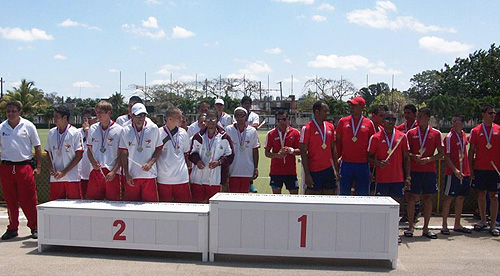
[390, 119]
[240, 115]
[211, 119]
[140, 115]
[281, 119]
[89, 118]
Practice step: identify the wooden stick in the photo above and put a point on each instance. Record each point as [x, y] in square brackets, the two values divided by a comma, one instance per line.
[494, 166]
[261, 124]
[393, 149]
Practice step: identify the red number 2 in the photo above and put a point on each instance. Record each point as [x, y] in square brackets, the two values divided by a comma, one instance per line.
[118, 235]
[303, 228]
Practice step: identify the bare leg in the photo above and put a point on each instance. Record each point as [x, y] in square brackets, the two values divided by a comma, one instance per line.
[411, 210]
[446, 211]
[459, 204]
[493, 208]
[481, 203]
[427, 199]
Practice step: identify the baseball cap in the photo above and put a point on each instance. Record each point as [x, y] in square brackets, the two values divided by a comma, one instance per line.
[240, 109]
[138, 109]
[219, 101]
[357, 100]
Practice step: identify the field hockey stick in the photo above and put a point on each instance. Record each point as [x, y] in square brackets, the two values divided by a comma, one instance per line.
[393, 149]
[460, 162]
[494, 166]
[261, 124]
[100, 168]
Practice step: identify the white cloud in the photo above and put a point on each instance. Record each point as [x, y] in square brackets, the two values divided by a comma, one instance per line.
[70, 23]
[150, 23]
[154, 2]
[160, 82]
[287, 60]
[350, 63]
[252, 70]
[307, 2]
[301, 16]
[113, 70]
[22, 48]
[85, 84]
[273, 51]
[187, 78]
[181, 33]
[24, 35]
[289, 80]
[208, 44]
[142, 31]
[60, 57]
[383, 71]
[326, 7]
[379, 18]
[169, 68]
[318, 18]
[439, 45]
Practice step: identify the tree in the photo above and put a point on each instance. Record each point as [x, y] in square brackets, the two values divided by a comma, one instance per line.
[372, 91]
[28, 95]
[119, 106]
[425, 85]
[318, 86]
[395, 100]
[342, 88]
[306, 101]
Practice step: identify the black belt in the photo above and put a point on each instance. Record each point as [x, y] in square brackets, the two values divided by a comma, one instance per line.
[26, 162]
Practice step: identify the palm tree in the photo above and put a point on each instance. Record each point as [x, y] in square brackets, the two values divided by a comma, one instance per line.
[28, 95]
[119, 106]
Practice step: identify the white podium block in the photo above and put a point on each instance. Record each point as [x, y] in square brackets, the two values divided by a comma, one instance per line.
[304, 226]
[125, 225]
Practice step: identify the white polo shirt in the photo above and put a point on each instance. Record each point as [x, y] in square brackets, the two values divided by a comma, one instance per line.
[17, 143]
[84, 164]
[63, 148]
[193, 129]
[243, 144]
[104, 143]
[172, 168]
[225, 120]
[141, 147]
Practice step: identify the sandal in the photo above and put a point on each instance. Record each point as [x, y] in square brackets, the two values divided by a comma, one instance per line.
[479, 226]
[495, 232]
[399, 240]
[408, 233]
[431, 235]
[445, 231]
[463, 230]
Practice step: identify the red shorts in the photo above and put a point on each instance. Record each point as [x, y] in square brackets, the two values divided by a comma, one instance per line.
[202, 193]
[84, 185]
[63, 190]
[174, 193]
[99, 188]
[144, 189]
[239, 184]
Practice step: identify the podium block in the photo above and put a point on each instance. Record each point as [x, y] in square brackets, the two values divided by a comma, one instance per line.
[304, 226]
[125, 225]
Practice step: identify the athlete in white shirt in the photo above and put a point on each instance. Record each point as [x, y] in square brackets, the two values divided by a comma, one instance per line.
[89, 118]
[104, 138]
[65, 148]
[198, 125]
[225, 119]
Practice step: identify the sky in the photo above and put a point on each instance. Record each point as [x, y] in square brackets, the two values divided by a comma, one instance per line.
[78, 48]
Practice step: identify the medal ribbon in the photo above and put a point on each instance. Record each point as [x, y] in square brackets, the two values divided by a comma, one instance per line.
[139, 136]
[488, 135]
[356, 129]
[422, 142]
[61, 137]
[210, 141]
[322, 133]
[282, 139]
[412, 125]
[104, 134]
[391, 142]
[241, 136]
[174, 141]
[462, 144]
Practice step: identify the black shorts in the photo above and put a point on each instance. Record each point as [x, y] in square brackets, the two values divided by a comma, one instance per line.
[486, 180]
[423, 183]
[453, 188]
[291, 182]
[323, 180]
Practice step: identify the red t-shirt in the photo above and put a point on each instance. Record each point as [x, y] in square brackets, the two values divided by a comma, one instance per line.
[452, 147]
[319, 158]
[351, 151]
[405, 127]
[378, 145]
[273, 142]
[483, 155]
[432, 142]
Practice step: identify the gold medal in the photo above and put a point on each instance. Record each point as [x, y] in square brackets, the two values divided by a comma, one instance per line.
[354, 139]
[488, 146]
[323, 146]
[421, 151]
[460, 155]
[388, 151]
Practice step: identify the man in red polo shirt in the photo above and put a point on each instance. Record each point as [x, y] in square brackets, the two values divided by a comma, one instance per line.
[424, 141]
[282, 144]
[484, 158]
[457, 174]
[353, 133]
[378, 113]
[318, 152]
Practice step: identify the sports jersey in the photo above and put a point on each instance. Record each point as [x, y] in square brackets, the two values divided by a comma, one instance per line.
[454, 144]
[252, 120]
[193, 129]
[141, 146]
[62, 149]
[280, 166]
[225, 120]
[379, 147]
[319, 157]
[16, 143]
[104, 143]
[243, 144]
[405, 126]
[484, 156]
[84, 164]
[430, 144]
[208, 149]
[354, 149]
[172, 168]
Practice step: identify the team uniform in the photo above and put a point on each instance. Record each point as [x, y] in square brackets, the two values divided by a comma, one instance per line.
[16, 174]
[319, 154]
[173, 174]
[207, 182]
[373, 169]
[424, 177]
[103, 145]
[225, 120]
[242, 169]
[405, 126]
[140, 146]
[455, 144]
[389, 179]
[127, 120]
[352, 149]
[193, 129]
[62, 148]
[487, 142]
[84, 165]
[252, 120]
[283, 171]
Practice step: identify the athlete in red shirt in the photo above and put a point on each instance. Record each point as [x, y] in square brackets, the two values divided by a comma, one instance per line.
[457, 174]
[378, 113]
[484, 158]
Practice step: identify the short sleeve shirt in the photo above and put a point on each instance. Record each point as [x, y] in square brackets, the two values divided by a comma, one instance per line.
[17, 143]
[405, 127]
[172, 168]
[319, 158]
[433, 142]
[63, 149]
[243, 144]
[485, 156]
[453, 144]
[104, 143]
[354, 152]
[379, 146]
[287, 165]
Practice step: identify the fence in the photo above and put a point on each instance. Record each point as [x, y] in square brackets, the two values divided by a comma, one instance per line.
[470, 203]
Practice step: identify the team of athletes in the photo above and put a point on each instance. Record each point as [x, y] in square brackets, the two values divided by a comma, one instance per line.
[133, 159]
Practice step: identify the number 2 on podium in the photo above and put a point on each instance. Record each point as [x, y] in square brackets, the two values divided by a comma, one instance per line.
[118, 235]
[303, 229]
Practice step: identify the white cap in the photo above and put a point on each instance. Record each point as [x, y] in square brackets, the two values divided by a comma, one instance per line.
[219, 101]
[240, 109]
[138, 109]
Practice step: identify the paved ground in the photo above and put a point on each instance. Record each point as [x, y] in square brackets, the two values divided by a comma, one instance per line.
[477, 253]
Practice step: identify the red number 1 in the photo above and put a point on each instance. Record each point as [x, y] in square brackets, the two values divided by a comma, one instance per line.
[303, 228]
[118, 235]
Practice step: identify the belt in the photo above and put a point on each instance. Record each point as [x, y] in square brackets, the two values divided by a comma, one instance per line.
[6, 162]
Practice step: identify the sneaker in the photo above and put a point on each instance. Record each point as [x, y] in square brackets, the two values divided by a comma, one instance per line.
[252, 189]
[34, 234]
[9, 234]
